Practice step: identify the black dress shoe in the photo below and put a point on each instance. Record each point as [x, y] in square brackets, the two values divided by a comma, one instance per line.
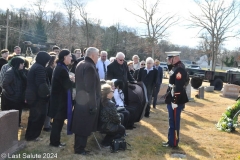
[147, 116]
[47, 129]
[129, 128]
[83, 152]
[58, 146]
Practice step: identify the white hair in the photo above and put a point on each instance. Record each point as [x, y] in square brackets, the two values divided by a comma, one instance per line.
[102, 52]
[120, 54]
[149, 59]
[135, 56]
[90, 51]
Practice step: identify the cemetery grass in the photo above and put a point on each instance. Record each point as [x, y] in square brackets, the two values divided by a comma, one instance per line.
[199, 138]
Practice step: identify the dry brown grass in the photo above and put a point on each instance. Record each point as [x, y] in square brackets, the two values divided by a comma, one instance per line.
[199, 138]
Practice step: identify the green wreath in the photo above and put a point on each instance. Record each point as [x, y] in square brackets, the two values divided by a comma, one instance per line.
[229, 120]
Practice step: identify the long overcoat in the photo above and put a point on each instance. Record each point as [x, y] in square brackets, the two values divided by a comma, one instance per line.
[61, 83]
[88, 95]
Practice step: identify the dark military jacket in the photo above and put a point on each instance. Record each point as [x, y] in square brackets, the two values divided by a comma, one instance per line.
[178, 78]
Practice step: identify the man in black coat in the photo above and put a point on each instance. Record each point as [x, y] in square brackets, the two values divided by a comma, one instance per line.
[119, 70]
[37, 96]
[88, 95]
[159, 82]
[148, 75]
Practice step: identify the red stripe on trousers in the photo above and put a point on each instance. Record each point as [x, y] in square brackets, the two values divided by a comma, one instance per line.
[175, 123]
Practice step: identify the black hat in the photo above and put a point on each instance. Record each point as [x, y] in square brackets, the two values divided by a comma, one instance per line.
[16, 61]
[43, 58]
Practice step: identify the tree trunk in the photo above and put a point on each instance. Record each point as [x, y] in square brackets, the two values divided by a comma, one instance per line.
[153, 51]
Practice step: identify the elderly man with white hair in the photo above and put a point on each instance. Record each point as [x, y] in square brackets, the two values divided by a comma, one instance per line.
[88, 95]
[118, 69]
[148, 75]
[102, 64]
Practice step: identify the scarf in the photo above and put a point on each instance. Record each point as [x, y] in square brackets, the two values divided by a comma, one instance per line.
[69, 105]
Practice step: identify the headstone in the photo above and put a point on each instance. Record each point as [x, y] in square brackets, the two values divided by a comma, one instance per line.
[201, 92]
[163, 91]
[231, 90]
[9, 132]
[209, 88]
[188, 91]
[178, 155]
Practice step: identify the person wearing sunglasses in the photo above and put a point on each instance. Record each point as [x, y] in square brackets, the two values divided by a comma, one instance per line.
[176, 96]
[142, 64]
[118, 69]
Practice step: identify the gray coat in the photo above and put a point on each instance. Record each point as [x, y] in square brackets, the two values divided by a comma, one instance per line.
[88, 94]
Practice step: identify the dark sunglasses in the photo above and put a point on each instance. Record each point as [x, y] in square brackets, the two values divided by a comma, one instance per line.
[121, 59]
[143, 64]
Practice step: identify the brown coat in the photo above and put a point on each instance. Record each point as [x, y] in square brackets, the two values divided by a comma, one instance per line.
[88, 94]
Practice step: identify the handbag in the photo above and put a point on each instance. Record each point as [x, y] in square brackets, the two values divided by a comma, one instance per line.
[118, 144]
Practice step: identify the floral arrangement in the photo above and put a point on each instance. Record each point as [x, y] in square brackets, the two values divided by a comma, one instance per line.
[228, 122]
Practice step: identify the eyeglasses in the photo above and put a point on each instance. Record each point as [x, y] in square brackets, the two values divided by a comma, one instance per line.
[121, 60]
[143, 64]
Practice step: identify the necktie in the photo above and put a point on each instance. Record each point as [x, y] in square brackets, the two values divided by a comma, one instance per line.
[105, 73]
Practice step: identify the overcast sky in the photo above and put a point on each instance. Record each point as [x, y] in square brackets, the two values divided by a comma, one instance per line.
[113, 11]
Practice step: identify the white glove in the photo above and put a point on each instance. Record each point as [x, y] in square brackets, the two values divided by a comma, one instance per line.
[171, 73]
[174, 105]
[172, 92]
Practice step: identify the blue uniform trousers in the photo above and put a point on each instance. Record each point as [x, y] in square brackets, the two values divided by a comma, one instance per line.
[174, 124]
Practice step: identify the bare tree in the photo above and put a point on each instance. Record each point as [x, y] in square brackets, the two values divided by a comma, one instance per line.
[70, 8]
[157, 24]
[219, 20]
[205, 47]
[39, 6]
[84, 15]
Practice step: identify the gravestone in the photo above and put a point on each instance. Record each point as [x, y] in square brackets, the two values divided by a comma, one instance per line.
[163, 91]
[231, 90]
[9, 132]
[188, 91]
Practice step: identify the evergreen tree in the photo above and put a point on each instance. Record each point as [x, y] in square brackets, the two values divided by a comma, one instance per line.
[40, 33]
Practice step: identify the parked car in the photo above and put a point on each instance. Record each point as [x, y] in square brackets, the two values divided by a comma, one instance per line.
[194, 67]
[164, 66]
[233, 70]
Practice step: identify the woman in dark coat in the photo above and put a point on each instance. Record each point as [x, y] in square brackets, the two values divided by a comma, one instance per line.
[37, 96]
[14, 85]
[148, 75]
[109, 117]
[60, 99]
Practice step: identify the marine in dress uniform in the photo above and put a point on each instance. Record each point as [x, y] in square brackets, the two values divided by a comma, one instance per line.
[176, 97]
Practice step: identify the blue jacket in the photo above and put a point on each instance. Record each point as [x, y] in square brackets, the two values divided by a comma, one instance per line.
[160, 75]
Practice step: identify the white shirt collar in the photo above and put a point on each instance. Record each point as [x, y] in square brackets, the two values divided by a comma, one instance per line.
[148, 69]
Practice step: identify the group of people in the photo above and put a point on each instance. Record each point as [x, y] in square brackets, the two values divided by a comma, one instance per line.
[88, 90]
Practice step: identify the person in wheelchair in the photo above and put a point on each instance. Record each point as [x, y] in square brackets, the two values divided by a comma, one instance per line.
[110, 119]
[128, 116]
